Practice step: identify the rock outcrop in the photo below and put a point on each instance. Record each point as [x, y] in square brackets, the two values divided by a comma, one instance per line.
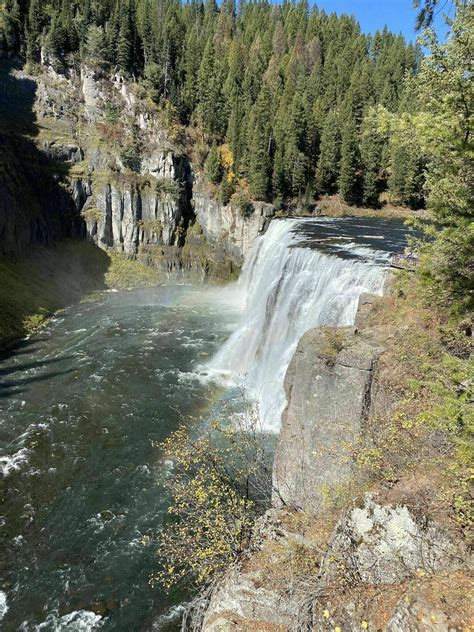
[257, 594]
[226, 226]
[388, 544]
[367, 302]
[328, 389]
[370, 573]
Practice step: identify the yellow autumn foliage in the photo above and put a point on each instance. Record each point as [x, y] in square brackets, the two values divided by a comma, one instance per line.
[215, 488]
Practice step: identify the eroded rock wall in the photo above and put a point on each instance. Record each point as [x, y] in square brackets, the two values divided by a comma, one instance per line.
[226, 226]
[328, 388]
[117, 173]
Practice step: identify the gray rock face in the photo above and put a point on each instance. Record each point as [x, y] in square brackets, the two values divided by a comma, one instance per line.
[224, 225]
[388, 545]
[63, 152]
[372, 548]
[242, 602]
[124, 215]
[328, 386]
[367, 302]
[245, 599]
[91, 93]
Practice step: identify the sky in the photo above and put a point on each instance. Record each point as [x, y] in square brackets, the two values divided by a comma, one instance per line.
[398, 15]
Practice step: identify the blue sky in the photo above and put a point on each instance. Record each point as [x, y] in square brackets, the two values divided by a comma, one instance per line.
[399, 15]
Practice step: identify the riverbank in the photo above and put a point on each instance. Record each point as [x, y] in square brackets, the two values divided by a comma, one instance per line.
[50, 279]
[335, 206]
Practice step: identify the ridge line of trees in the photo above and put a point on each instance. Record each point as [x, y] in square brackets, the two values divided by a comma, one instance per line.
[285, 93]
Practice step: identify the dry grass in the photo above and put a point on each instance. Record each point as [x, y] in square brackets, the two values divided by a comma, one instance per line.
[334, 206]
[423, 412]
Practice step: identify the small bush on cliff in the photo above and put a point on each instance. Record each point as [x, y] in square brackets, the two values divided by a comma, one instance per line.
[241, 200]
[219, 484]
[166, 186]
[335, 341]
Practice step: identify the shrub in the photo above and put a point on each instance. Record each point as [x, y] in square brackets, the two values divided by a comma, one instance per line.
[220, 483]
[130, 157]
[165, 186]
[112, 114]
[335, 340]
[92, 214]
[111, 132]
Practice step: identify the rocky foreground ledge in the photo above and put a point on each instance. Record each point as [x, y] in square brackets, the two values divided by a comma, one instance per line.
[340, 551]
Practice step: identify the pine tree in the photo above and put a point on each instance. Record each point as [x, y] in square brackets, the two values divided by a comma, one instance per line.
[297, 163]
[279, 174]
[96, 46]
[261, 146]
[235, 132]
[349, 181]
[10, 26]
[214, 170]
[56, 39]
[34, 27]
[191, 62]
[371, 155]
[405, 183]
[211, 112]
[327, 170]
[124, 43]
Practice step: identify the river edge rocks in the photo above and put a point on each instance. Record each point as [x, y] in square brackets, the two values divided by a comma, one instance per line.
[330, 556]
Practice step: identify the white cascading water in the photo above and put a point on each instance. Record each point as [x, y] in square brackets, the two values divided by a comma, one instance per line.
[288, 289]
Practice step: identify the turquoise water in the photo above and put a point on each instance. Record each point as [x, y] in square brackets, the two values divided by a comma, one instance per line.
[80, 405]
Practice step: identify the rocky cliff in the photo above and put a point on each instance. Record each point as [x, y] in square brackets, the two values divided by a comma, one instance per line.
[342, 551]
[121, 174]
[320, 428]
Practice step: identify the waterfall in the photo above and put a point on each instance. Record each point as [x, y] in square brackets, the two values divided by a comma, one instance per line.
[289, 288]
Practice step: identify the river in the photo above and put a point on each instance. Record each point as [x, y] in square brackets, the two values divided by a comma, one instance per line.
[82, 402]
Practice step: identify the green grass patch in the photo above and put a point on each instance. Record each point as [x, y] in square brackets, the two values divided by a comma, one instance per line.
[125, 273]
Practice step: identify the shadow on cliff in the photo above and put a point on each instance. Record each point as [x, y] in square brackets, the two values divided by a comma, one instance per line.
[45, 262]
[36, 207]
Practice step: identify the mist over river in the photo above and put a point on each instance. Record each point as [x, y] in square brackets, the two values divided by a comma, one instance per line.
[82, 402]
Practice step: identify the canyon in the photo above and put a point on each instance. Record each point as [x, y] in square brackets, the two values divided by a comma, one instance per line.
[338, 550]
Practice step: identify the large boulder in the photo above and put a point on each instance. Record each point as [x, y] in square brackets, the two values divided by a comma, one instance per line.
[387, 544]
